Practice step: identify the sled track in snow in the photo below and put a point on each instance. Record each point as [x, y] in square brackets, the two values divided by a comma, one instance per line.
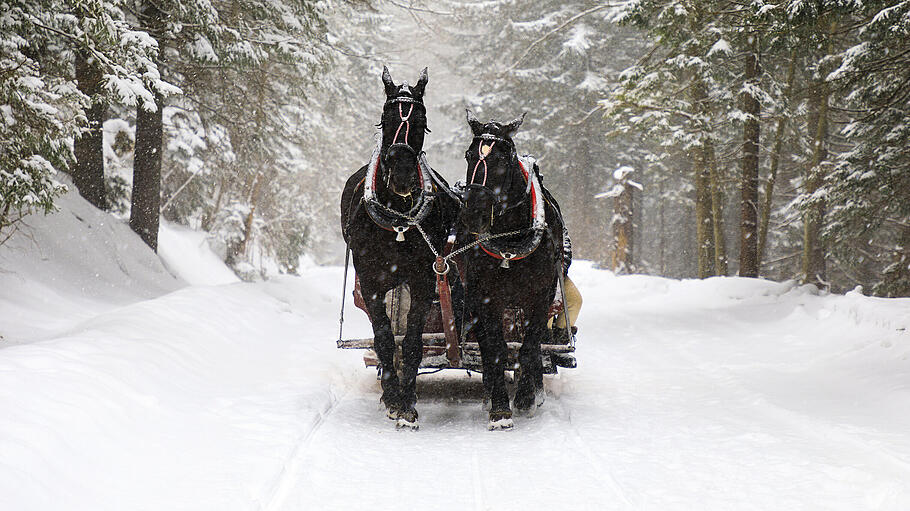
[286, 479]
[597, 465]
[477, 482]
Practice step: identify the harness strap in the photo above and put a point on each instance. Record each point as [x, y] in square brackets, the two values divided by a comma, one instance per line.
[344, 285]
[517, 257]
[441, 268]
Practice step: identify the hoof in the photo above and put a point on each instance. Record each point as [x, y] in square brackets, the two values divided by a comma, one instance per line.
[540, 396]
[393, 409]
[407, 419]
[530, 402]
[500, 421]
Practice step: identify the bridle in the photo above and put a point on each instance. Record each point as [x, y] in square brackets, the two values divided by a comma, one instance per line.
[383, 215]
[404, 121]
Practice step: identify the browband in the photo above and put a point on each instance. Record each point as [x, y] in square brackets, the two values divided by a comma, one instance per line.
[405, 99]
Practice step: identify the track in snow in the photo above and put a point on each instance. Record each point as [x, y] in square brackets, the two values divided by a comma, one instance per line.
[293, 465]
[452, 461]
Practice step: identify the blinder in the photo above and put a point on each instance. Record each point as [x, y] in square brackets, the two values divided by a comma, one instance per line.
[484, 192]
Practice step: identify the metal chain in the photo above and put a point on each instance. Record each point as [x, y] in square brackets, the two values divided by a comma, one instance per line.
[469, 246]
[394, 212]
[411, 221]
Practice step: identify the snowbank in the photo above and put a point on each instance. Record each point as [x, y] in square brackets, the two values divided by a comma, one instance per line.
[186, 253]
[71, 265]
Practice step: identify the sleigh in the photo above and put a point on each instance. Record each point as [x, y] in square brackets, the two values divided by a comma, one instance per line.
[445, 348]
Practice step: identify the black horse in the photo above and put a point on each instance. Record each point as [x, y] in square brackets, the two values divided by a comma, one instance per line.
[391, 210]
[516, 266]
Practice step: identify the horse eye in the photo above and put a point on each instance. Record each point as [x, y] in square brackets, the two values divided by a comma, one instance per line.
[467, 154]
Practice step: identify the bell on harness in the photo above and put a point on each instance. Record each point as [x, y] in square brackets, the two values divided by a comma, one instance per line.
[505, 259]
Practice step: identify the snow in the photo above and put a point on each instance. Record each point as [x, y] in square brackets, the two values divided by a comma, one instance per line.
[721, 46]
[66, 267]
[186, 253]
[579, 39]
[124, 388]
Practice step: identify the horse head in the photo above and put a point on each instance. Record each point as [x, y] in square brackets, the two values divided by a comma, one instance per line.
[404, 124]
[494, 182]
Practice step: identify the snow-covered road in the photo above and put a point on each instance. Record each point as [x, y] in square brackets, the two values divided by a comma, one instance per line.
[720, 394]
[726, 394]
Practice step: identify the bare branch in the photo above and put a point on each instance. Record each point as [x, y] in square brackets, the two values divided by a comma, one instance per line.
[546, 36]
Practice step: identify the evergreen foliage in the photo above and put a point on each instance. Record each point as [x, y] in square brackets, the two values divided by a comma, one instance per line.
[770, 137]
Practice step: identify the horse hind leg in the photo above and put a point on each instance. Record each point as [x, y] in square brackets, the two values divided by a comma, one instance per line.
[530, 393]
[384, 346]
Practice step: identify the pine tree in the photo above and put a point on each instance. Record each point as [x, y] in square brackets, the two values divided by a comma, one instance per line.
[554, 60]
[43, 107]
[868, 191]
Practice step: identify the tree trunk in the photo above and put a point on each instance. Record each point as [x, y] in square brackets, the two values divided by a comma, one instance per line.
[748, 241]
[623, 233]
[146, 197]
[704, 225]
[813, 260]
[896, 277]
[238, 249]
[88, 174]
[704, 221]
[211, 214]
[145, 203]
[717, 211]
[662, 243]
[775, 164]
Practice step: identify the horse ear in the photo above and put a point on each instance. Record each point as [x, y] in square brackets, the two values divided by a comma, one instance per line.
[476, 126]
[512, 127]
[421, 83]
[390, 88]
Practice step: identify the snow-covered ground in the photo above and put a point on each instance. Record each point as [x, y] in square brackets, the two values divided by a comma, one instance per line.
[124, 388]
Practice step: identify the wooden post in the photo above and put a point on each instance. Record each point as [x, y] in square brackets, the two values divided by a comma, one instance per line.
[621, 259]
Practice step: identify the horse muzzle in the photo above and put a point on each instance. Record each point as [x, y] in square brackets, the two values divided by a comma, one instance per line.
[477, 210]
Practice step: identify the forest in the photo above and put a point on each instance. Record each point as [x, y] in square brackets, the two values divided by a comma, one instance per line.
[684, 138]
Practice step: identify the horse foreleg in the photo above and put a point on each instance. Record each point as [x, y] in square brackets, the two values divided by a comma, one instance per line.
[384, 346]
[412, 351]
[493, 354]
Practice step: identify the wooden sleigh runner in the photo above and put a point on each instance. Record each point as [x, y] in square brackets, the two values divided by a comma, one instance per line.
[444, 348]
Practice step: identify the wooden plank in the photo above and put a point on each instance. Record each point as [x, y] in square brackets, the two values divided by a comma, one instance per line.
[367, 343]
[470, 361]
[438, 340]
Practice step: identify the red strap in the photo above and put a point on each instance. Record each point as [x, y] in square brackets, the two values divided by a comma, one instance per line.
[497, 256]
[448, 318]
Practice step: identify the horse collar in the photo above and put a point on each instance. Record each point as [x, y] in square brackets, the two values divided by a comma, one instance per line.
[386, 217]
[500, 248]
